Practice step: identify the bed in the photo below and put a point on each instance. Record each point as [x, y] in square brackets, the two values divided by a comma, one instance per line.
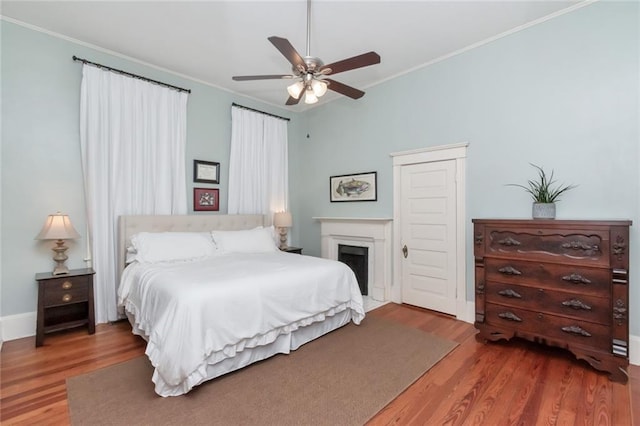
[209, 310]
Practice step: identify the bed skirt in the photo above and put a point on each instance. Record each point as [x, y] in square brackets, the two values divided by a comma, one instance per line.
[283, 344]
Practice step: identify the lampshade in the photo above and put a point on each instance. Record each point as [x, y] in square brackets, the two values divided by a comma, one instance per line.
[319, 87]
[295, 90]
[310, 97]
[57, 227]
[282, 220]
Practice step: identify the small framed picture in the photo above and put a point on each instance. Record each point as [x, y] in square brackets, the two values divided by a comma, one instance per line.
[206, 171]
[354, 187]
[206, 199]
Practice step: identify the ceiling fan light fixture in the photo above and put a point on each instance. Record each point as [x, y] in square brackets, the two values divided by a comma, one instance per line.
[295, 90]
[310, 70]
[319, 87]
[310, 97]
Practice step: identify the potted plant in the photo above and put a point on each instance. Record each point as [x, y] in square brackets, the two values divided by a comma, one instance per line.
[544, 194]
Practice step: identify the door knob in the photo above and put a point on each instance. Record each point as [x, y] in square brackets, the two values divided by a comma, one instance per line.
[405, 251]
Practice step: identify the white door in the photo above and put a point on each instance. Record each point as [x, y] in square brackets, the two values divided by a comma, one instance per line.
[428, 230]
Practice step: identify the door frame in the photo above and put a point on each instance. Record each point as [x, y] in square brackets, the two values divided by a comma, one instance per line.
[457, 152]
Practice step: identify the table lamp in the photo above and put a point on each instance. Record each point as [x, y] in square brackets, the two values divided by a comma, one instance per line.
[282, 221]
[58, 227]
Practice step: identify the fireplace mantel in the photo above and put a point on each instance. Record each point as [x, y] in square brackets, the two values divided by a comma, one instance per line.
[353, 219]
[373, 233]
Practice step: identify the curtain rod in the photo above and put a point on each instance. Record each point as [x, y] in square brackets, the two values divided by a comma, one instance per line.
[84, 61]
[261, 112]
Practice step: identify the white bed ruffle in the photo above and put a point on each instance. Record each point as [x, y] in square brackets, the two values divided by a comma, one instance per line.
[283, 344]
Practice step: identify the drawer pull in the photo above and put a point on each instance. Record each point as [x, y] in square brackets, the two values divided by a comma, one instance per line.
[67, 285]
[509, 241]
[510, 316]
[510, 293]
[574, 329]
[576, 304]
[576, 279]
[66, 298]
[509, 270]
[579, 245]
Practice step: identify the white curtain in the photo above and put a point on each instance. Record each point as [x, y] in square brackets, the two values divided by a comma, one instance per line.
[132, 137]
[258, 164]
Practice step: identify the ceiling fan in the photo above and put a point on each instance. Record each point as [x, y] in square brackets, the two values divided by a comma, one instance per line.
[310, 72]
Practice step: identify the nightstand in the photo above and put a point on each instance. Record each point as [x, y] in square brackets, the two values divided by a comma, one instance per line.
[64, 301]
[296, 250]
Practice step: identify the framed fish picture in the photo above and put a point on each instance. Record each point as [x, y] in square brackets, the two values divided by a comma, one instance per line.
[354, 187]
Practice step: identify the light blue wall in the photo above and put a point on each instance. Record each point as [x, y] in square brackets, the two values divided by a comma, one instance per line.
[41, 169]
[562, 94]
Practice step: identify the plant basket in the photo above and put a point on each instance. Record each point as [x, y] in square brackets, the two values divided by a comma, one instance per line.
[543, 211]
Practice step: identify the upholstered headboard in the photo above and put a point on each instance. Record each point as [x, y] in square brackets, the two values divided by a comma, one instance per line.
[130, 225]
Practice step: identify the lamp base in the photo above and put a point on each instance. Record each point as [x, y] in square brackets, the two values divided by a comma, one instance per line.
[60, 270]
[60, 257]
[283, 238]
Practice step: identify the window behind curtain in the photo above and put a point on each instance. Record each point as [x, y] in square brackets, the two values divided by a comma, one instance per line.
[132, 137]
[258, 164]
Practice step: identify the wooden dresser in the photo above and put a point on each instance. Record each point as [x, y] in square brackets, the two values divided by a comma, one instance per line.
[563, 283]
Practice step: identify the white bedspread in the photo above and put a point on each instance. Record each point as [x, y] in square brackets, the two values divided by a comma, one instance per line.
[200, 312]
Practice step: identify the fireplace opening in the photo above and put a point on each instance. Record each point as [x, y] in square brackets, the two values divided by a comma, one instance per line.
[357, 258]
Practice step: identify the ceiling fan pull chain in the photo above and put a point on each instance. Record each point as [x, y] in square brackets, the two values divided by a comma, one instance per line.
[308, 27]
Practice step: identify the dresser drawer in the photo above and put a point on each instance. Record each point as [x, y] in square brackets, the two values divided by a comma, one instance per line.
[573, 279]
[553, 244]
[563, 329]
[62, 291]
[572, 305]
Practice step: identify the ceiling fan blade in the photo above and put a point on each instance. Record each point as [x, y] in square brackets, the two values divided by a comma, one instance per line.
[289, 52]
[293, 101]
[262, 77]
[342, 88]
[364, 60]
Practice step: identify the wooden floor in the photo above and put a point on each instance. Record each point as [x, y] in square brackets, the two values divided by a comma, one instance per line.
[515, 383]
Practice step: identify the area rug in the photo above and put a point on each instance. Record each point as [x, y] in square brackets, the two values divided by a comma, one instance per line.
[343, 378]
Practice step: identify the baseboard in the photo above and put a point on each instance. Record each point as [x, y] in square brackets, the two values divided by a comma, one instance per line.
[469, 314]
[634, 350]
[18, 326]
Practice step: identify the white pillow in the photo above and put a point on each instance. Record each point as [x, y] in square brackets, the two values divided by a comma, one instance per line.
[258, 240]
[152, 247]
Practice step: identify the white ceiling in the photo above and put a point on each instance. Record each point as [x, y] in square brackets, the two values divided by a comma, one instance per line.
[211, 41]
